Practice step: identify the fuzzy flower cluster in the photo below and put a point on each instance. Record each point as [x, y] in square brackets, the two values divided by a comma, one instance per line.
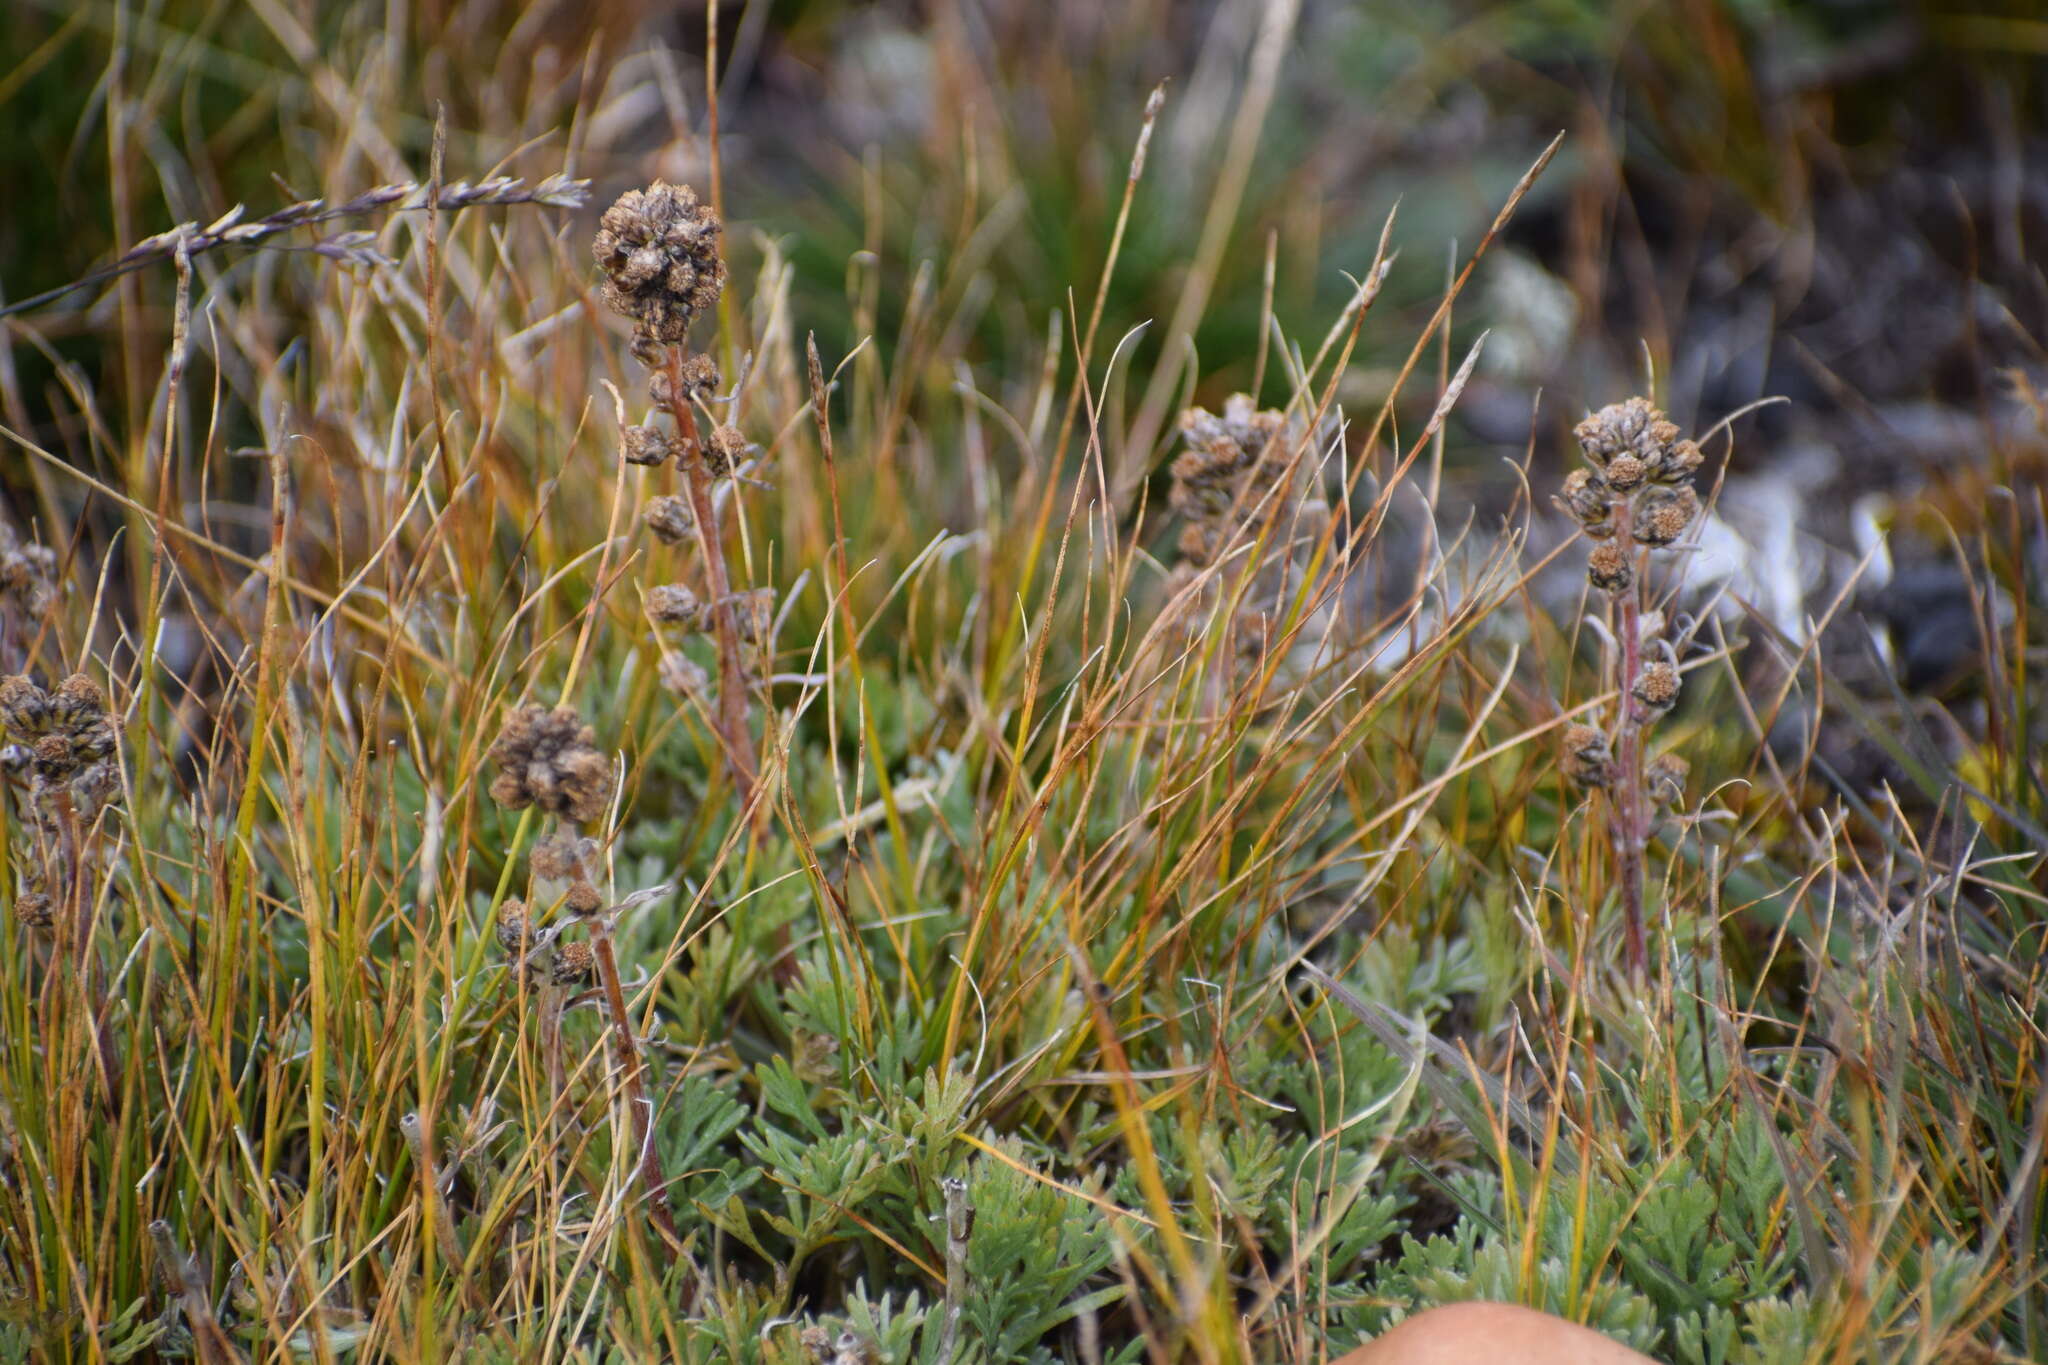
[64, 740]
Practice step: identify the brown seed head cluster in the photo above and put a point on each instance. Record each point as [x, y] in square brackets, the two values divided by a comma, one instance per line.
[645, 445]
[658, 248]
[549, 759]
[1656, 687]
[64, 737]
[1227, 462]
[1640, 475]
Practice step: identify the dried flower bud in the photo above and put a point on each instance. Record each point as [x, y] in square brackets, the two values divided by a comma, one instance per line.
[725, 450]
[1625, 473]
[24, 707]
[563, 856]
[35, 910]
[513, 927]
[645, 445]
[1588, 758]
[700, 382]
[1608, 567]
[97, 786]
[1665, 777]
[648, 352]
[1633, 427]
[28, 573]
[1681, 461]
[584, 899]
[1665, 513]
[658, 248]
[672, 604]
[1656, 687]
[683, 675]
[76, 702]
[1585, 497]
[573, 964]
[548, 759]
[670, 519]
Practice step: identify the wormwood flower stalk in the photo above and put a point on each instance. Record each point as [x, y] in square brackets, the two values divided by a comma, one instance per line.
[659, 250]
[550, 760]
[1637, 495]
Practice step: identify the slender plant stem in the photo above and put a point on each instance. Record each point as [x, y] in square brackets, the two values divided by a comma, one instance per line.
[732, 697]
[649, 1165]
[1627, 791]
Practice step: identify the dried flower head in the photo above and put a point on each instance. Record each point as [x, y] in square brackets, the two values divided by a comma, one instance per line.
[645, 445]
[1585, 497]
[672, 604]
[1656, 687]
[514, 927]
[1665, 513]
[1227, 461]
[699, 375]
[549, 759]
[658, 248]
[584, 899]
[563, 856]
[1634, 426]
[725, 450]
[1665, 777]
[1681, 461]
[1588, 757]
[683, 675]
[573, 964]
[670, 518]
[1608, 567]
[1625, 473]
[70, 731]
[35, 910]
[28, 573]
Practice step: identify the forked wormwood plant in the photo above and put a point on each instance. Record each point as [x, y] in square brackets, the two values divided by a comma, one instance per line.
[1636, 496]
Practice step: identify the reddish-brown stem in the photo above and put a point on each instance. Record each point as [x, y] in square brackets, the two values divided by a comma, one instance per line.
[732, 685]
[1626, 793]
[648, 1163]
[732, 697]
